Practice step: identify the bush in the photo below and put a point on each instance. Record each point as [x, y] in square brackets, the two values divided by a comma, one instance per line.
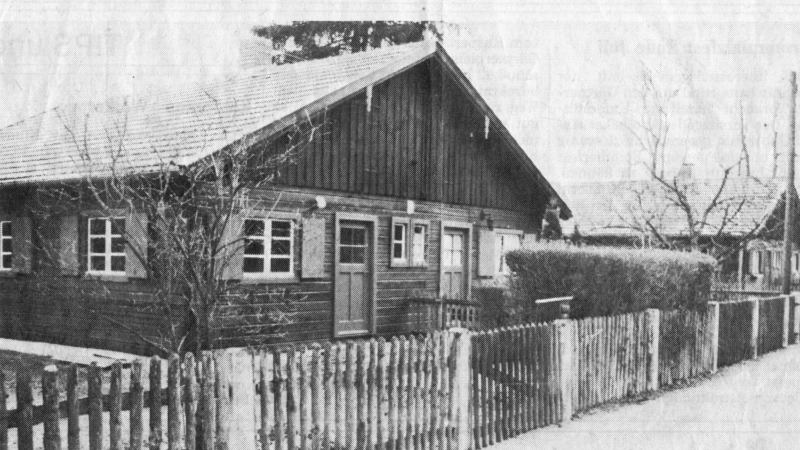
[605, 281]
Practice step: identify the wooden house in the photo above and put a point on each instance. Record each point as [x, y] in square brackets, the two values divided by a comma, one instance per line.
[746, 222]
[409, 190]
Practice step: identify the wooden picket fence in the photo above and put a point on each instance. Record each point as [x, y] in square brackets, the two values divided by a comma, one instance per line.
[686, 344]
[515, 381]
[451, 390]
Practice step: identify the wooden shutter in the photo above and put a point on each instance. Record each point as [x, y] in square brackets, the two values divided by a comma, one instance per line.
[486, 259]
[231, 254]
[313, 248]
[21, 232]
[136, 238]
[68, 238]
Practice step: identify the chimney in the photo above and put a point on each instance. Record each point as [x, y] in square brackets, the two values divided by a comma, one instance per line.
[685, 174]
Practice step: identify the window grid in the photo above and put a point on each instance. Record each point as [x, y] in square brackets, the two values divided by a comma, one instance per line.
[106, 249]
[399, 238]
[268, 247]
[6, 250]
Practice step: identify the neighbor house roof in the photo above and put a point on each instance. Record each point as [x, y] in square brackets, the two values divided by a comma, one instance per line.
[624, 208]
[140, 135]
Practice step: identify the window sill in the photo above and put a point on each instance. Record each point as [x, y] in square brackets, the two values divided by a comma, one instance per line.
[269, 279]
[405, 264]
[121, 278]
[8, 273]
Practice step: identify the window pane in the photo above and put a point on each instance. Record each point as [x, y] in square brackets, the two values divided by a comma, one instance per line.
[118, 226]
[6, 261]
[6, 229]
[117, 245]
[98, 263]
[97, 226]
[399, 232]
[397, 253]
[346, 254]
[280, 246]
[98, 245]
[7, 246]
[253, 247]
[254, 265]
[253, 227]
[280, 265]
[359, 237]
[118, 264]
[447, 243]
[359, 254]
[346, 237]
[281, 229]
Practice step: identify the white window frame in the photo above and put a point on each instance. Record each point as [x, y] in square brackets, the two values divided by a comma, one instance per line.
[107, 253]
[756, 263]
[4, 238]
[267, 245]
[795, 262]
[419, 258]
[409, 258]
[402, 242]
[499, 256]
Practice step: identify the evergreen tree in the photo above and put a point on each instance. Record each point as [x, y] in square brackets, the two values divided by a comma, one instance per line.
[315, 40]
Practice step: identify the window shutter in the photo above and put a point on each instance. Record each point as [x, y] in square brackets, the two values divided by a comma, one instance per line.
[136, 237]
[486, 256]
[21, 232]
[68, 237]
[313, 256]
[231, 252]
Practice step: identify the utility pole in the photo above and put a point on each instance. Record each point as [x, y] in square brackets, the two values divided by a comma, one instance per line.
[788, 222]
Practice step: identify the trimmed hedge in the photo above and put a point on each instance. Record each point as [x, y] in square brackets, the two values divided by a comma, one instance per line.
[605, 281]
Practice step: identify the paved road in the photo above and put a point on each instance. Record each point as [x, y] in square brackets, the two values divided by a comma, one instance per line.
[753, 405]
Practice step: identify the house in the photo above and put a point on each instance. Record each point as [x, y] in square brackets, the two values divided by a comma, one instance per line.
[741, 224]
[407, 187]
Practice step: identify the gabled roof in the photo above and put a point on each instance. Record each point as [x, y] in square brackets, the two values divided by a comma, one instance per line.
[145, 134]
[623, 208]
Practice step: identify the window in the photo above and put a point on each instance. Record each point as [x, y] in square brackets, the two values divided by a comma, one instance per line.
[268, 247]
[409, 242]
[107, 245]
[504, 243]
[399, 247]
[6, 251]
[419, 245]
[755, 262]
[353, 244]
[796, 263]
[452, 250]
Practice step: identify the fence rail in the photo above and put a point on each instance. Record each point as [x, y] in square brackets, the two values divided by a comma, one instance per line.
[451, 390]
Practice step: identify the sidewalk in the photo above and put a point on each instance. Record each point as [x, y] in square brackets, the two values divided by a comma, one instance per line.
[752, 405]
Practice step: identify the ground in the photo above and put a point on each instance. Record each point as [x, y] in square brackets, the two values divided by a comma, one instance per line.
[752, 405]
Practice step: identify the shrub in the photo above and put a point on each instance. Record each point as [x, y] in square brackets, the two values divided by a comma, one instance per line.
[605, 281]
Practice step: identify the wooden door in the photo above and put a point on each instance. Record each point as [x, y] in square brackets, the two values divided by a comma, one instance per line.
[454, 267]
[353, 278]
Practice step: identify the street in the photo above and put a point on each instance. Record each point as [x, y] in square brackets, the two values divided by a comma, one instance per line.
[752, 405]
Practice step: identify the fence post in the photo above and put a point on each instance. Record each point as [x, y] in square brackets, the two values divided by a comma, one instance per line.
[754, 328]
[565, 353]
[785, 335]
[714, 336]
[653, 318]
[463, 387]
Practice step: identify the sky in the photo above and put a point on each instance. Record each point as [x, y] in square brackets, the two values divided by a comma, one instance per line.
[563, 77]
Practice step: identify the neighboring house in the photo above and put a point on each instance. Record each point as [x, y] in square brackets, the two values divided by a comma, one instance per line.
[744, 229]
[411, 189]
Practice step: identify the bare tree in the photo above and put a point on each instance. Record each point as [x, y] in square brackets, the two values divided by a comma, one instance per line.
[651, 129]
[190, 226]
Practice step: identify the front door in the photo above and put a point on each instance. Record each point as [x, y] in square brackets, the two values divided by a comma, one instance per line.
[454, 256]
[353, 278]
